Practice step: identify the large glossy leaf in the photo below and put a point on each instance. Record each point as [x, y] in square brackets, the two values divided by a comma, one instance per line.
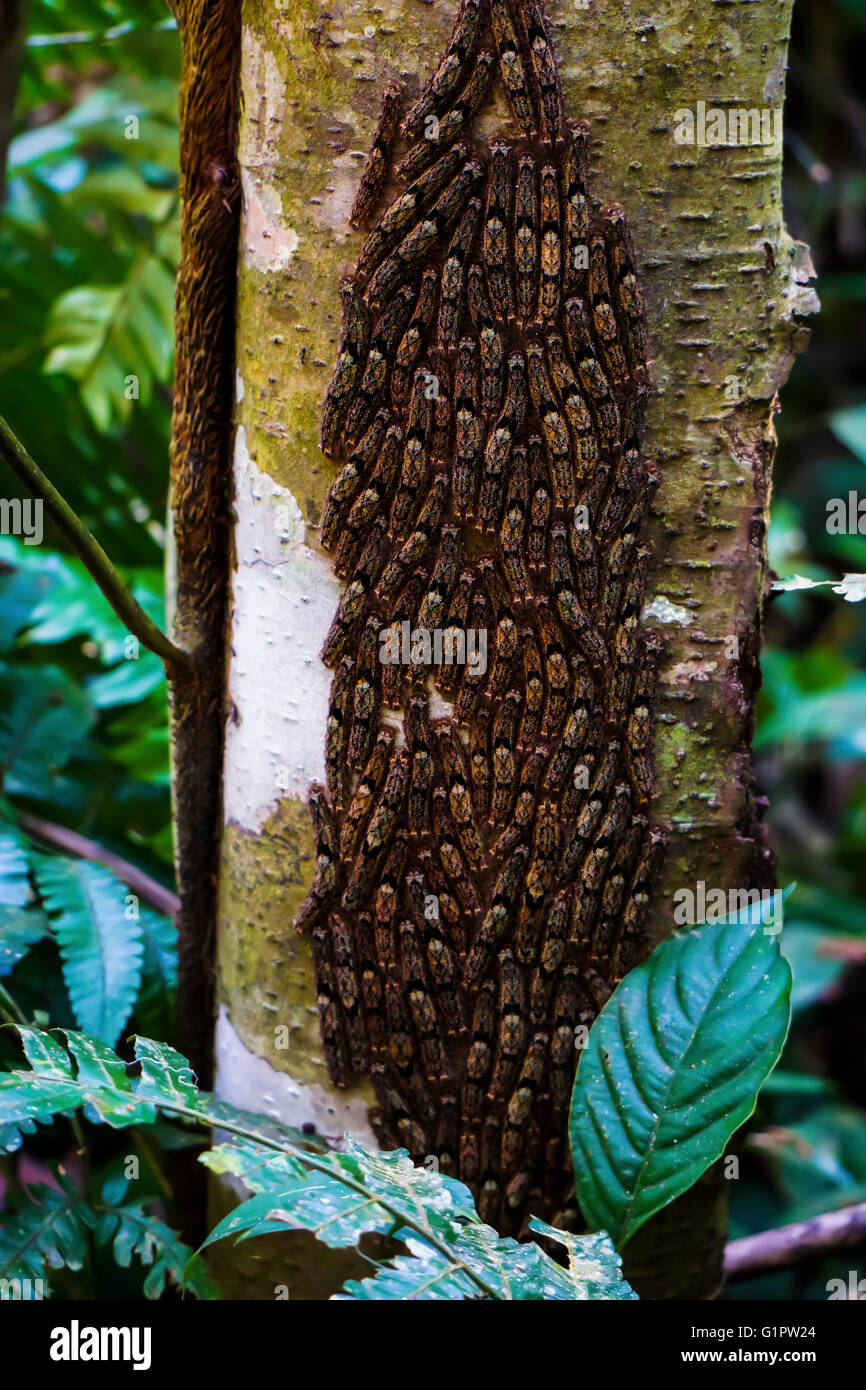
[101, 949]
[673, 1066]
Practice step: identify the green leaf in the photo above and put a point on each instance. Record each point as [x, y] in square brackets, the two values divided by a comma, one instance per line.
[134, 1231]
[44, 715]
[45, 1055]
[818, 956]
[15, 890]
[166, 1076]
[339, 1196]
[20, 928]
[155, 1004]
[673, 1066]
[128, 682]
[53, 1088]
[452, 1254]
[104, 336]
[100, 948]
[46, 1230]
[849, 426]
[74, 607]
[515, 1271]
[20, 591]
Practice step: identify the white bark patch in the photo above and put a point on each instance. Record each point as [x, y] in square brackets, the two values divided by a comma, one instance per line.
[332, 211]
[268, 245]
[687, 671]
[283, 600]
[667, 612]
[262, 119]
[246, 1080]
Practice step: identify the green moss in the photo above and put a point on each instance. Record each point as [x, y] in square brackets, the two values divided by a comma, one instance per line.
[265, 968]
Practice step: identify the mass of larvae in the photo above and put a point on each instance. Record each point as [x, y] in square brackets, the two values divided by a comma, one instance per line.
[484, 842]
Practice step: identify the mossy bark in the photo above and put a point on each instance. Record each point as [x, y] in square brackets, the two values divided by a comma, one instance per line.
[724, 287]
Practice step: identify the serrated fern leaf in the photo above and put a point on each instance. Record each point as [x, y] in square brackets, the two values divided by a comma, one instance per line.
[100, 1083]
[154, 1006]
[337, 1196]
[132, 1231]
[15, 888]
[101, 949]
[95, 331]
[47, 1230]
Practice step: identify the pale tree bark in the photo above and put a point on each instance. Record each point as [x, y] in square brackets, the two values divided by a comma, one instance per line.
[725, 289]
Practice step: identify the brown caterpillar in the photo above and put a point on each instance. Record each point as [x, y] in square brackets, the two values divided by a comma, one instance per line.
[482, 880]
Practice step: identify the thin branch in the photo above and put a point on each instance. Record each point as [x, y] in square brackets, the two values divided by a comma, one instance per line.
[118, 31]
[141, 883]
[89, 551]
[10, 1010]
[792, 1245]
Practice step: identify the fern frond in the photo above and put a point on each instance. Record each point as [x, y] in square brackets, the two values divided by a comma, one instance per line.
[101, 950]
[336, 1196]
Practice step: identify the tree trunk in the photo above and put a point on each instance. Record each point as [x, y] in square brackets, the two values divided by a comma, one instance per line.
[723, 287]
[13, 32]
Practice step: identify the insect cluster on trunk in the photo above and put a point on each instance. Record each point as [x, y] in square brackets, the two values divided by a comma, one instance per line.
[482, 877]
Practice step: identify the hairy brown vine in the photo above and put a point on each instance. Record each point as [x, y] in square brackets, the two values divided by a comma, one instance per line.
[200, 473]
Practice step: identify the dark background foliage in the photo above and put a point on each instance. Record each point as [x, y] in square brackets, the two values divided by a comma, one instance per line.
[88, 245]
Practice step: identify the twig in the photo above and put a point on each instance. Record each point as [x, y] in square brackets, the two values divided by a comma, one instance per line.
[90, 552]
[141, 883]
[10, 1010]
[792, 1245]
[118, 31]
